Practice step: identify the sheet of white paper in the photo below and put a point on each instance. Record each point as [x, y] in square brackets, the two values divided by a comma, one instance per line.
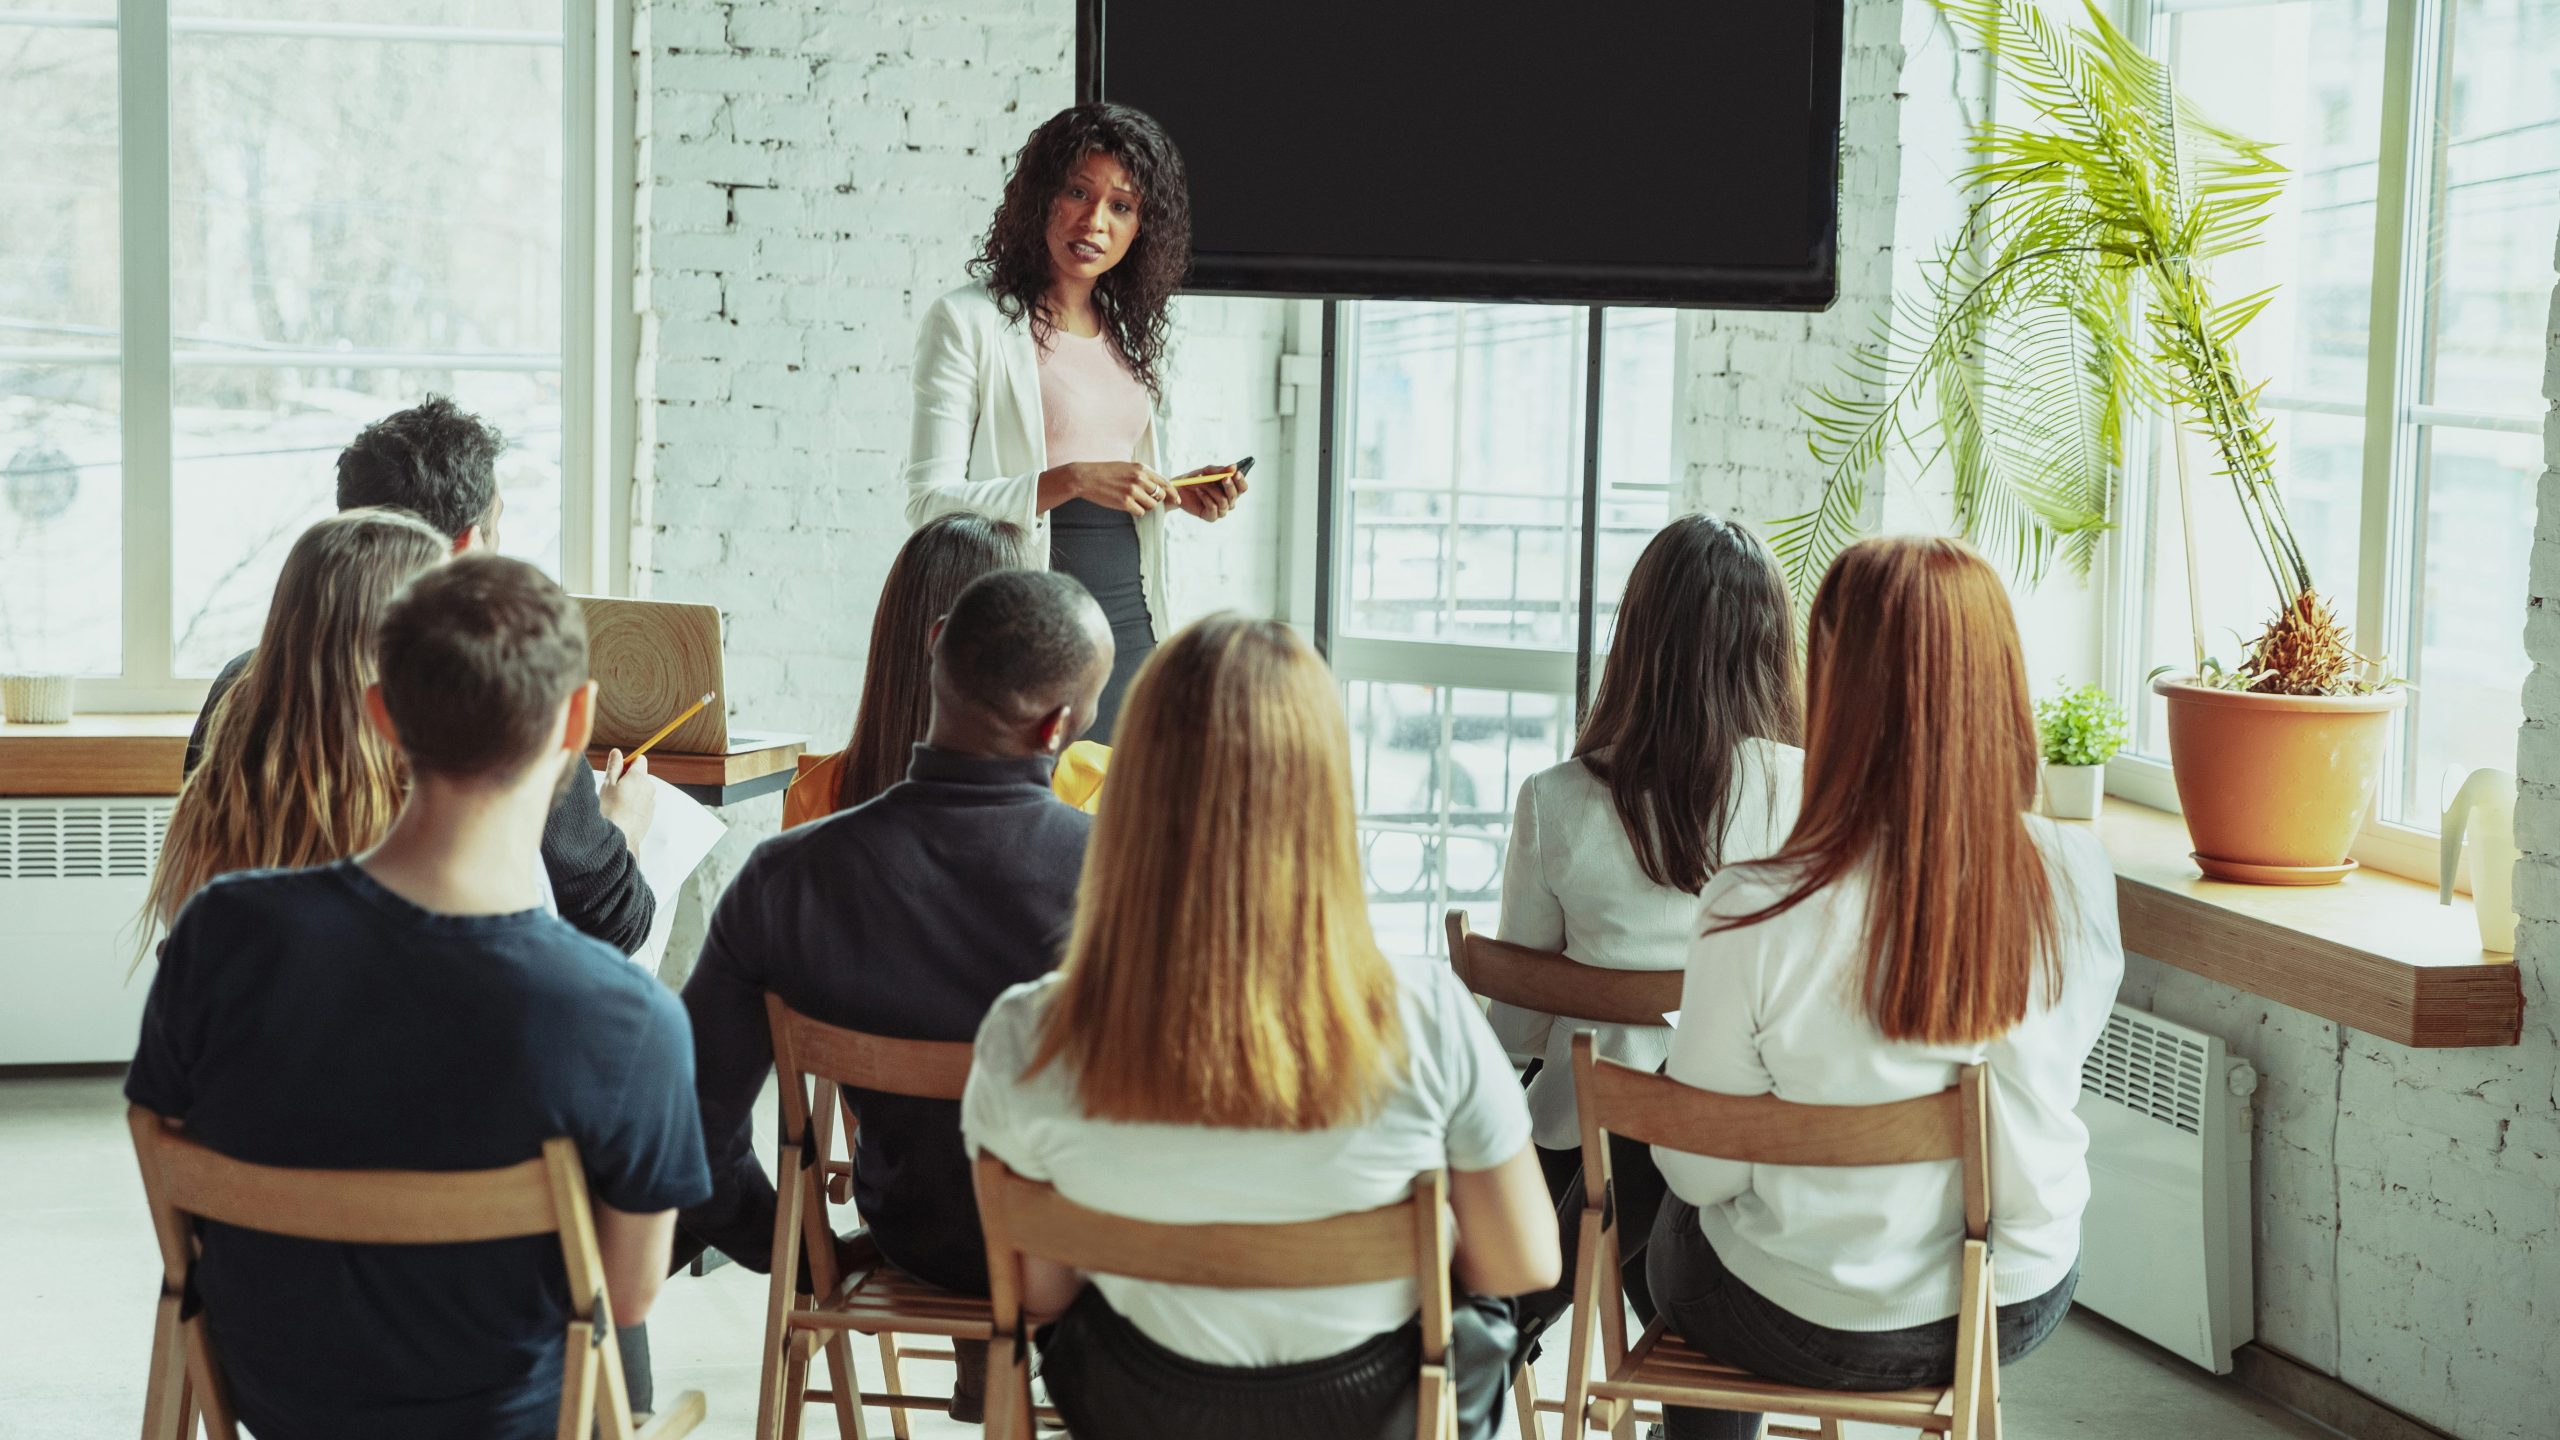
[679, 839]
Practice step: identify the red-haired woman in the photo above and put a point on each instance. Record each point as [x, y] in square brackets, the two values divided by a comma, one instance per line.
[1917, 919]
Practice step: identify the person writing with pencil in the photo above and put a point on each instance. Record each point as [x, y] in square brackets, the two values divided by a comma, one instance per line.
[1037, 388]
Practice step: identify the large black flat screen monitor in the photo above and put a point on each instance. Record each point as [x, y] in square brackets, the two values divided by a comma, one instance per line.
[1639, 152]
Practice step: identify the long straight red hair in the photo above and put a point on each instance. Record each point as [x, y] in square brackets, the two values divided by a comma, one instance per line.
[1920, 765]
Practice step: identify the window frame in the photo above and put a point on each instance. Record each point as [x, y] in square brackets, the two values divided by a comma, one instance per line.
[1322, 527]
[599, 330]
[2390, 542]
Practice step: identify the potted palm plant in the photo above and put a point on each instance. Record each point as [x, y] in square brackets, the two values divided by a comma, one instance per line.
[2076, 290]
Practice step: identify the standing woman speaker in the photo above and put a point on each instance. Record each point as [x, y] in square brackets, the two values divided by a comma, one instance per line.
[1039, 386]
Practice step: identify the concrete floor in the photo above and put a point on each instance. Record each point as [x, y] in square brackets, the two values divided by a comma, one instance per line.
[78, 1276]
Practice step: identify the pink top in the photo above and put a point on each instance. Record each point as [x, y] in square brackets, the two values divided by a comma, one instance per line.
[1090, 405]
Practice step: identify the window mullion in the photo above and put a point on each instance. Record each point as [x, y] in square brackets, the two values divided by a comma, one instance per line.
[142, 70]
[1587, 598]
[2386, 517]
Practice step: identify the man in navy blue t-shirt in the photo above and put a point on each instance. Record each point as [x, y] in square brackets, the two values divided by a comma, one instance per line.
[413, 1008]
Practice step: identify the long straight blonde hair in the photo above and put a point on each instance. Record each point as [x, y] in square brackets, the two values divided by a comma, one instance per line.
[1920, 764]
[1222, 970]
[292, 775]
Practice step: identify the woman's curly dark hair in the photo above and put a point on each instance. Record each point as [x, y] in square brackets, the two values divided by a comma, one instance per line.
[1131, 296]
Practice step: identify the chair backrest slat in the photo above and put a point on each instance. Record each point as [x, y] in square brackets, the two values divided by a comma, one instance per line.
[925, 1069]
[1555, 984]
[1371, 1245]
[359, 1207]
[1764, 1130]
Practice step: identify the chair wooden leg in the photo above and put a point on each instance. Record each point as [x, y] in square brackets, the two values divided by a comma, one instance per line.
[781, 1295]
[205, 1394]
[1008, 1390]
[893, 1382]
[795, 1390]
[1990, 1412]
[578, 1384]
[165, 1411]
[1587, 1289]
[1973, 1304]
[675, 1419]
[1831, 1429]
[846, 1386]
[1433, 1415]
[1524, 1399]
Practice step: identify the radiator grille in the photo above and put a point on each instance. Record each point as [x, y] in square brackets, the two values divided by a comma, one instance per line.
[81, 839]
[2148, 1068]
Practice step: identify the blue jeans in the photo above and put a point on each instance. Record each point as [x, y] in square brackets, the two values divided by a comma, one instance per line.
[1732, 1323]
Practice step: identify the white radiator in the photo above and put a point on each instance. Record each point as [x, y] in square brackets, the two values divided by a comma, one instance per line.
[72, 877]
[2165, 1246]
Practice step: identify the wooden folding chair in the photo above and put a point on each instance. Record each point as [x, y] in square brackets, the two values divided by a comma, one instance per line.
[1554, 983]
[1406, 1240]
[185, 1182]
[815, 1063]
[1954, 1124]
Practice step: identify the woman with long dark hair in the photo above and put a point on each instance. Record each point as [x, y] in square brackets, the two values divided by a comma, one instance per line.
[1687, 762]
[1918, 918]
[938, 562]
[1037, 387]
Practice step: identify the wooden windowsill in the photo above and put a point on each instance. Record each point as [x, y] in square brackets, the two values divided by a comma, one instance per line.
[2374, 952]
[95, 755]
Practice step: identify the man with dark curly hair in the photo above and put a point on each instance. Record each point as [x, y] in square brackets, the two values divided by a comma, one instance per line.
[1037, 385]
[439, 462]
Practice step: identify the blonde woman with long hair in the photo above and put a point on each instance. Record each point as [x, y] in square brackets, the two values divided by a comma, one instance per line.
[292, 775]
[1226, 1043]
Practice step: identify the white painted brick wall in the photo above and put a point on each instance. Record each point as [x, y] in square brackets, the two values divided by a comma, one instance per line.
[1741, 442]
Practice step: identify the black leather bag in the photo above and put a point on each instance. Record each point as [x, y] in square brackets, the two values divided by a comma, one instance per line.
[1111, 1382]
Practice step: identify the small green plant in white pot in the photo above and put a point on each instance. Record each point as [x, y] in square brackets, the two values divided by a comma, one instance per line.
[2080, 730]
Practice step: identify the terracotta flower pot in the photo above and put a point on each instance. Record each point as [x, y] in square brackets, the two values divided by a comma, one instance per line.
[2275, 787]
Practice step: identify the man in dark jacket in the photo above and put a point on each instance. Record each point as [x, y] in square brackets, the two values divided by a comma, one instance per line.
[440, 464]
[906, 917]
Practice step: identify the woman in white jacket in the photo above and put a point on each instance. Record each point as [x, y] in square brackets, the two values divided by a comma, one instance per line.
[1038, 386]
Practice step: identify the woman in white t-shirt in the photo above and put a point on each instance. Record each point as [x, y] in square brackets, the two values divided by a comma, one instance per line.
[1917, 919]
[1225, 1043]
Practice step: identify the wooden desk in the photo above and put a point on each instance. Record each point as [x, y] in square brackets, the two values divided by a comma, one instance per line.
[95, 755]
[2374, 951]
[727, 779]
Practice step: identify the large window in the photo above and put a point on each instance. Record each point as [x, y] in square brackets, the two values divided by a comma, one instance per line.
[2402, 357]
[1458, 615]
[232, 232]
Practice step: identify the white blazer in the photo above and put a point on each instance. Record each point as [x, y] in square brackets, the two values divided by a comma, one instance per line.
[980, 441]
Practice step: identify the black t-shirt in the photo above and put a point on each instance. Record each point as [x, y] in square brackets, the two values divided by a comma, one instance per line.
[312, 1018]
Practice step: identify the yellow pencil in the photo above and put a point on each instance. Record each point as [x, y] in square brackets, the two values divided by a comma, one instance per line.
[689, 712]
[1212, 478]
